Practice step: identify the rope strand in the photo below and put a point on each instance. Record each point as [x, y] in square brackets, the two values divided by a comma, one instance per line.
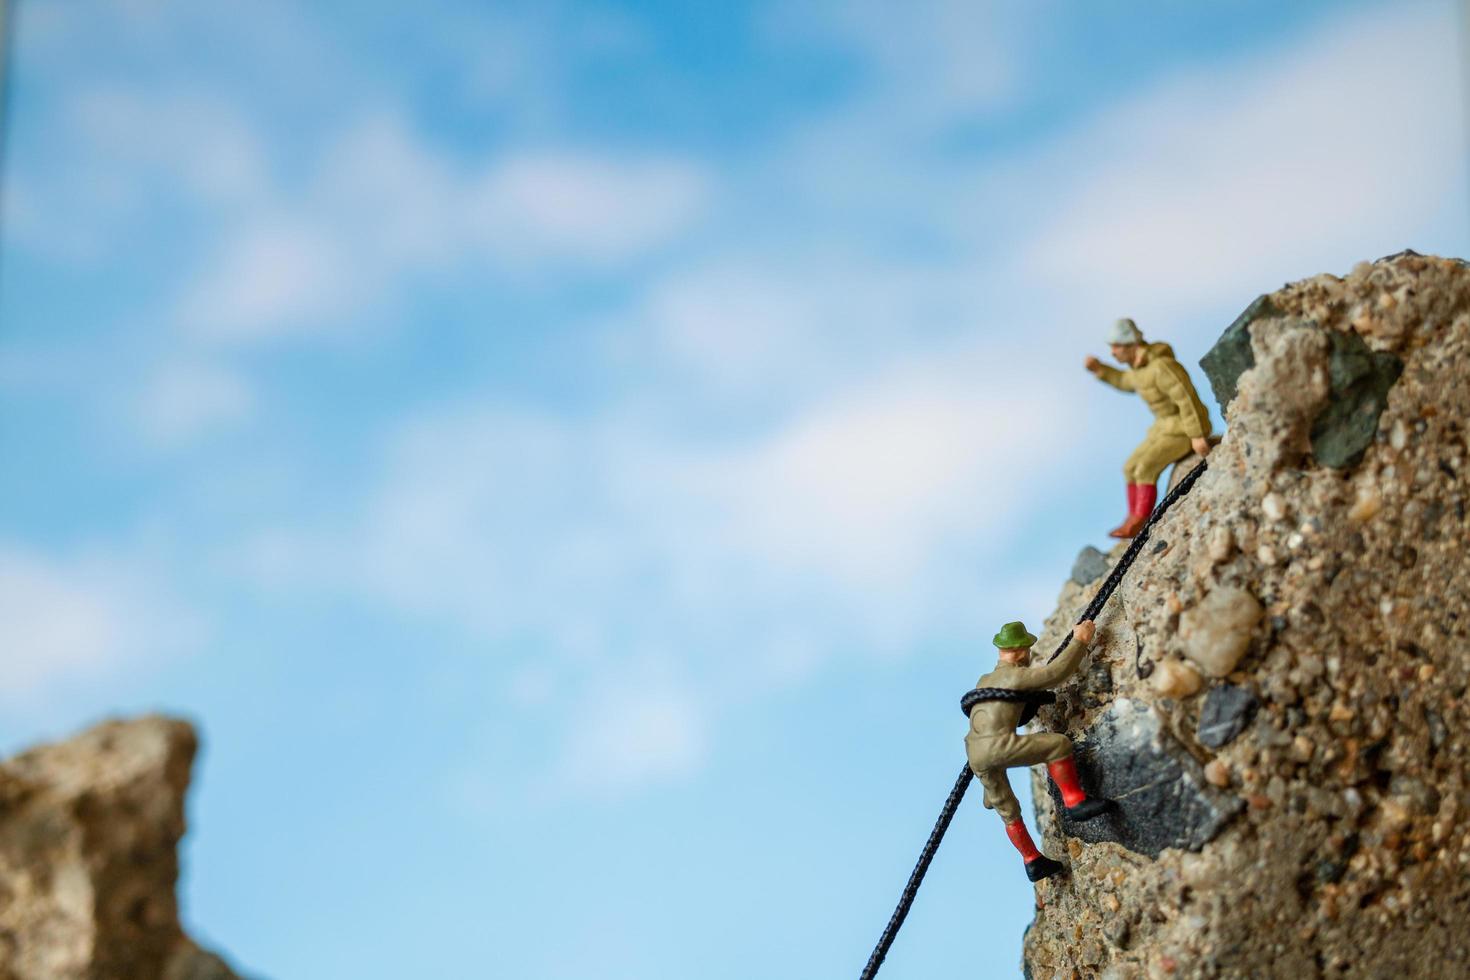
[952, 803]
[1115, 577]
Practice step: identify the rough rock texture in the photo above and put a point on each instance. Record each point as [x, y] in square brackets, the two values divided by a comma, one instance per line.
[88, 831]
[1307, 814]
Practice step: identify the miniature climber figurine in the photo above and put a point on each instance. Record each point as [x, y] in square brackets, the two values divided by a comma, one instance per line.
[1181, 421]
[1002, 701]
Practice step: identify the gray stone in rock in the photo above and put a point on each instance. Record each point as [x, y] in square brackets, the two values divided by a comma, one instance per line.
[1232, 355]
[1227, 710]
[1358, 381]
[1090, 566]
[1162, 795]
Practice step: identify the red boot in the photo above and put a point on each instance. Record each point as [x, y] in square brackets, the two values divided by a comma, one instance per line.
[1118, 532]
[1075, 803]
[1038, 865]
[1148, 495]
[1141, 498]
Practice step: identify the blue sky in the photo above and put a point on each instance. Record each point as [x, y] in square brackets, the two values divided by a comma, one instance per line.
[569, 457]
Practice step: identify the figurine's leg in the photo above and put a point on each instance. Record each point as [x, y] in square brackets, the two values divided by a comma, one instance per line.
[1148, 495]
[1000, 798]
[1078, 805]
[1056, 751]
[1159, 451]
[1118, 532]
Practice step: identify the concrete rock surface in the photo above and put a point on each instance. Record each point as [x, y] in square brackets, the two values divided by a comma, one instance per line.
[1306, 811]
[88, 834]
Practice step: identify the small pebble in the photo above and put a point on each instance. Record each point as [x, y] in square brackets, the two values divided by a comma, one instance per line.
[1398, 436]
[1221, 543]
[1173, 678]
[1217, 632]
[1273, 506]
[1366, 506]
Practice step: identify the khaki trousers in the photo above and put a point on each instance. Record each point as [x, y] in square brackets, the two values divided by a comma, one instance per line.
[1154, 454]
[991, 755]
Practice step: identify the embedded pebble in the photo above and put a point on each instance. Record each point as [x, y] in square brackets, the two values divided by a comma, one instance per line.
[1217, 632]
[1221, 544]
[1368, 504]
[1172, 678]
[1398, 436]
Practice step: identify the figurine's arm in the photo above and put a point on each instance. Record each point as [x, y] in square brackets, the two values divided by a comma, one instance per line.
[1121, 380]
[1174, 381]
[1052, 674]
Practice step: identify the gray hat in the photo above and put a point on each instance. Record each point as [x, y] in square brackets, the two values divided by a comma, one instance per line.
[1124, 331]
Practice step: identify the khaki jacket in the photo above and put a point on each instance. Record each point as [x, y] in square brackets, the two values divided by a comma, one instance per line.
[1002, 717]
[1165, 386]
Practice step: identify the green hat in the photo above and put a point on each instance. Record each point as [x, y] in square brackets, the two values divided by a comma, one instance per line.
[1014, 635]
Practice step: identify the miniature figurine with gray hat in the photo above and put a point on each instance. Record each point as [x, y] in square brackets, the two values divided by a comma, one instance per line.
[1181, 421]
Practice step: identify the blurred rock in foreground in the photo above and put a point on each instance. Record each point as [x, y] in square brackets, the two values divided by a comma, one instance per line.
[1277, 695]
[88, 831]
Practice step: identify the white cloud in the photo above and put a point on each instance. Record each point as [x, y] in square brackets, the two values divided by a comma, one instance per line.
[627, 735]
[768, 328]
[68, 622]
[205, 145]
[94, 183]
[1227, 181]
[384, 207]
[272, 278]
[592, 208]
[866, 487]
[939, 61]
[186, 399]
[857, 526]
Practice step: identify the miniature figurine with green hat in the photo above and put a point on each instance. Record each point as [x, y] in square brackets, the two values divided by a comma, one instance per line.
[1181, 421]
[1002, 701]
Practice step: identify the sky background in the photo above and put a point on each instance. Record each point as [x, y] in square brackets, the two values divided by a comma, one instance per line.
[570, 457]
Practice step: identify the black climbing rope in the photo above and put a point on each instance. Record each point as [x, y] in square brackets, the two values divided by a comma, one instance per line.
[906, 900]
[1119, 570]
[1030, 701]
[952, 802]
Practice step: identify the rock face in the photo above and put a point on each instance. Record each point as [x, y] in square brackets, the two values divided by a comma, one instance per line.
[1303, 810]
[88, 831]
